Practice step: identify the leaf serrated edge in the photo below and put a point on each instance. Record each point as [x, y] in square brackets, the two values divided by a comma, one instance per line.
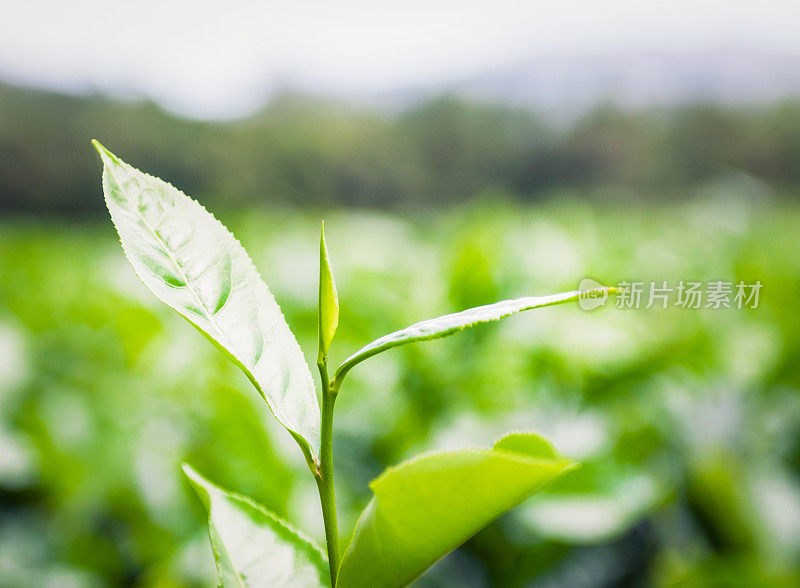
[199, 481]
[483, 451]
[305, 446]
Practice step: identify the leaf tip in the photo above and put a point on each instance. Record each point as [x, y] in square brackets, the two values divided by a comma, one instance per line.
[189, 471]
[322, 245]
[105, 154]
[200, 484]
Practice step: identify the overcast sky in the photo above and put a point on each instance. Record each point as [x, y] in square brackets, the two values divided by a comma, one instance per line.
[220, 59]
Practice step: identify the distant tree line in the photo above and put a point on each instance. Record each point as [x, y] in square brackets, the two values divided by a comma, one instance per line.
[299, 151]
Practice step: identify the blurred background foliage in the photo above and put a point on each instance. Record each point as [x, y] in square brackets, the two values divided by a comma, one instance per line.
[686, 421]
[302, 152]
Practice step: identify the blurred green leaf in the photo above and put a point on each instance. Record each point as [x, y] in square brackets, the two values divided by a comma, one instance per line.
[191, 262]
[527, 444]
[328, 298]
[426, 507]
[252, 547]
[450, 324]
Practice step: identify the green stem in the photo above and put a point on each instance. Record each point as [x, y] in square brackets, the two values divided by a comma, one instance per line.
[324, 476]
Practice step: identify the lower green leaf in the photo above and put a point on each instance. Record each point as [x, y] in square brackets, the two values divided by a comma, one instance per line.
[252, 547]
[426, 507]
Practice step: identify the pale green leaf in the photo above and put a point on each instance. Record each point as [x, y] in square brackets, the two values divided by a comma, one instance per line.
[189, 260]
[452, 323]
[252, 547]
[328, 299]
[428, 506]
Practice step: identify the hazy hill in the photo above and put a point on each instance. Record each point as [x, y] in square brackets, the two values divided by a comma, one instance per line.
[303, 151]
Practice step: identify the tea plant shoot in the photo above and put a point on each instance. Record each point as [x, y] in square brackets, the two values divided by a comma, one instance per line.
[421, 509]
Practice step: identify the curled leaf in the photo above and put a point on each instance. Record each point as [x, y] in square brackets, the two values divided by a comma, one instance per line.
[426, 507]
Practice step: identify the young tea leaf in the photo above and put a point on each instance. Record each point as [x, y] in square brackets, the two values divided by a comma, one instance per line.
[452, 323]
[428, 506]
[328, 299]
[189, 260]
[252, 547]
